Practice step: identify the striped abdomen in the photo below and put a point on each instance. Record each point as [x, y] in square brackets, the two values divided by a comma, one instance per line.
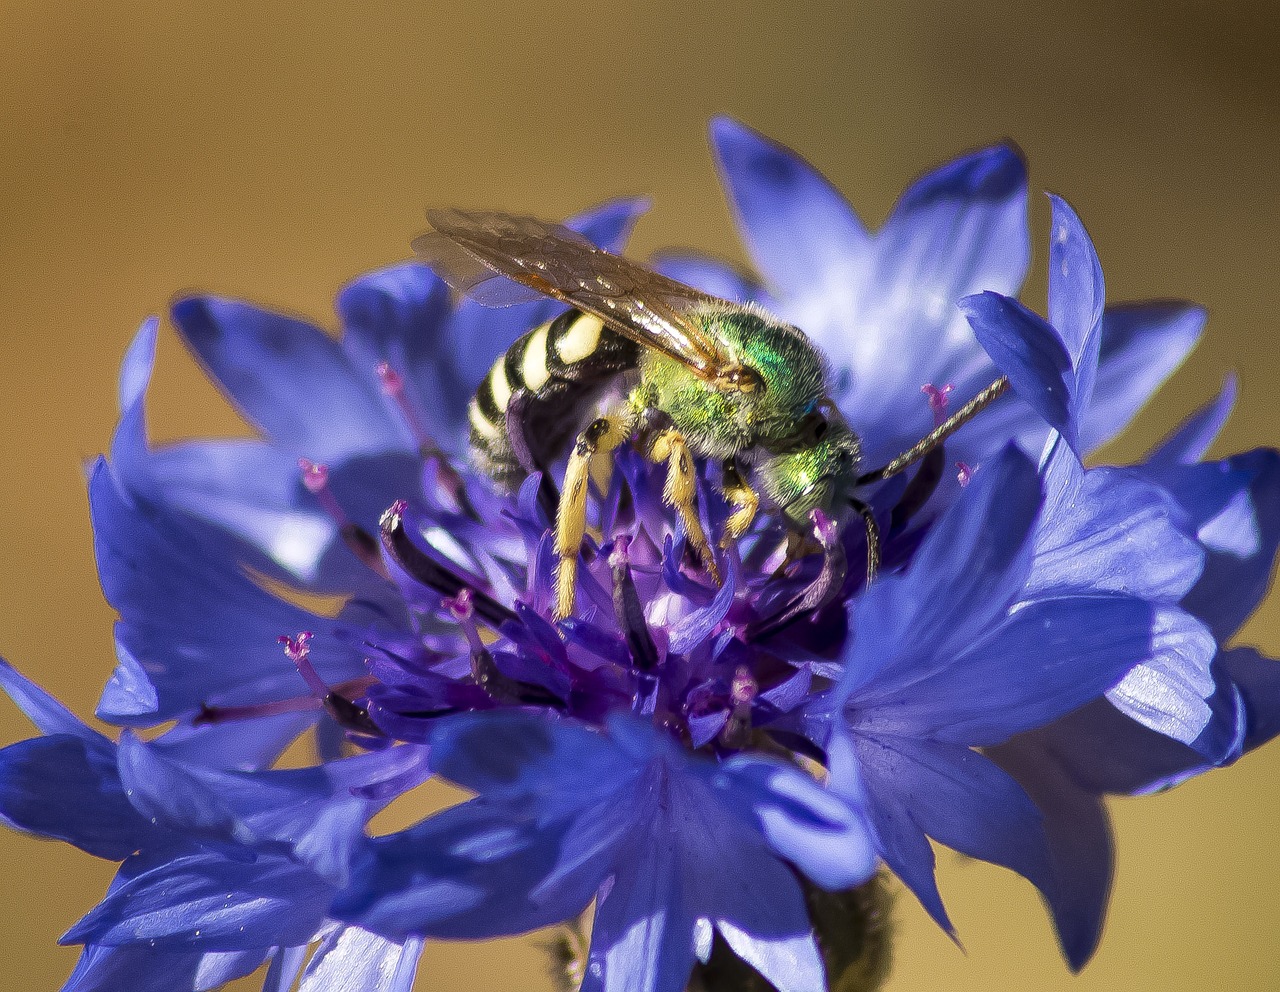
[539, 393]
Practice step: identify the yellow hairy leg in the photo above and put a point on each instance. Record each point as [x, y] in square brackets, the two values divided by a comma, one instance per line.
[681, 492]
[744, 501]
[595, 443]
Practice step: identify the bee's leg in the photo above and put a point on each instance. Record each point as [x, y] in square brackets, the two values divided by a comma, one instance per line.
[743, 499]
[873, 537]
[598, 440]
[681, 492]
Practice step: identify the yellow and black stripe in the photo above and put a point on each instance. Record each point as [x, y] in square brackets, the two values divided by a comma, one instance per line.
[545, 385]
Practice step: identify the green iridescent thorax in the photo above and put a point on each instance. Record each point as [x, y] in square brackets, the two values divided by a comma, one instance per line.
[818, 474]
[719, 423]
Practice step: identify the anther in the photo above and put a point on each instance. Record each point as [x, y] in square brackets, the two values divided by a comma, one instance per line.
[315, 479]
[937, 401]
[434, 574]
[627, 608]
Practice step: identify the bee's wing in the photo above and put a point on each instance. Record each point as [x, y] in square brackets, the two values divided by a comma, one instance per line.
[499, 259]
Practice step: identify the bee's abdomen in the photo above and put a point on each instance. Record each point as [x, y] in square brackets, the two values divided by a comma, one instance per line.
[537, 394]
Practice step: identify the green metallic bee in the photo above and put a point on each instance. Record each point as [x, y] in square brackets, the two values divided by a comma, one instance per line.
[644, 358]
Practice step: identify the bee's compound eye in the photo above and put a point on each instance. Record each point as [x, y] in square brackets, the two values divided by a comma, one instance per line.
[744, 380]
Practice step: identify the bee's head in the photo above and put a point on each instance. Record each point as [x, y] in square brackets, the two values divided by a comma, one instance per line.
[818, 471]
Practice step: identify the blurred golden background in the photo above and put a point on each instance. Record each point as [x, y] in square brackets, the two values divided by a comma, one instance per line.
[274, 151]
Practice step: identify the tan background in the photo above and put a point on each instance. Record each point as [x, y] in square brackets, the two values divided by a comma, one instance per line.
[275, 153]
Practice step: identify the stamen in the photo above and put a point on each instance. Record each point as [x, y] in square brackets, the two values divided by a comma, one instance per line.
[627, 608]
[393, 385]
[937, 401]
[484, 670]
[315, 479]
[298, 650]
[348, 714]
[742, 693]
[965, 474]
[434, 574]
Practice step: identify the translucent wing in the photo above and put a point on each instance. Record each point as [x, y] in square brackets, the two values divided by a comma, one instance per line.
[499, 259]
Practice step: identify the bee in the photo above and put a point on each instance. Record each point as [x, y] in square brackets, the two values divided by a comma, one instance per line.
[641, 357]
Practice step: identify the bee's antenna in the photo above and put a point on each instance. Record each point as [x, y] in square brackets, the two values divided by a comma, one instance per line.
[939, 434]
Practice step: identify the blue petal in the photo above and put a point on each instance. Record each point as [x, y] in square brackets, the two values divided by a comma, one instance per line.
[553, 765]
[799, 230]
[289, 379]
[475, 871]
[1045, 660]
[1142, 344]
[801, 821]
[964, 576]
[1170, 691]
[642, 932]
[712, 277]
[852, 763]
[1109, 530]
[48, 715]
[400, 315]
[316, 814]
[1026, 349]
[206, 902]
[1080, 844]
[352, 959]
[66, 787]
[135, 369]
[215, 640]
[1234, 506]
[147, 969]
[1258, 680]
[961, 799]
[958, 231]
[1076, 299]
[1188, 444]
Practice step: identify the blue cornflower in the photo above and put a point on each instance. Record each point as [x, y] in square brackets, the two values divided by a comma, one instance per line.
[663, 751]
